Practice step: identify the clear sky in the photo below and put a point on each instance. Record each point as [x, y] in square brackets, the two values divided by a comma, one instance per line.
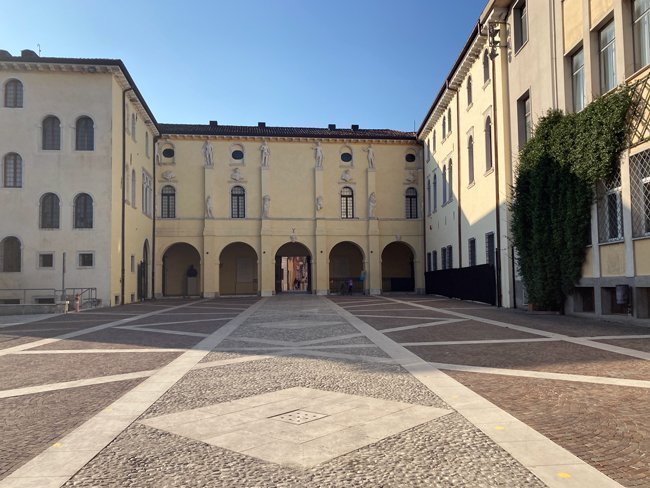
[377, 63]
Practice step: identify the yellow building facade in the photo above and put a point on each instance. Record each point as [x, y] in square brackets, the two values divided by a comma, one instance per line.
[345, 202]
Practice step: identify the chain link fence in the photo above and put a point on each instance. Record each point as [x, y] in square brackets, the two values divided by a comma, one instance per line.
[640, 193]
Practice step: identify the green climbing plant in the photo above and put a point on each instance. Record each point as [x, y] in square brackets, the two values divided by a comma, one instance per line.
[559, 167]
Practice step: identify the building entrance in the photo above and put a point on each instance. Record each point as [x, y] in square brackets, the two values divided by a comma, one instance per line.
[293, 269]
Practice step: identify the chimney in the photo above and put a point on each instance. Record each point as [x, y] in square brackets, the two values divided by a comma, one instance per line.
[331, 126]
[261, 124]
[214, 123]
[355, 126]
[28, 54]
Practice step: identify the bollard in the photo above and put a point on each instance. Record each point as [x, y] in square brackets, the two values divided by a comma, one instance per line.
[77, 302]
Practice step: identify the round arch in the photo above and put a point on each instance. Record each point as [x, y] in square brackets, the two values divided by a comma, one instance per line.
[180, 261]
[293, 271]
[345, 268]
[238, 270]
[397, 267]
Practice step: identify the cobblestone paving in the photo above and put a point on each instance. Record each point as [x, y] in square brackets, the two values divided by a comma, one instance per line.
[307, 343]
[33, 422]
[607, 426]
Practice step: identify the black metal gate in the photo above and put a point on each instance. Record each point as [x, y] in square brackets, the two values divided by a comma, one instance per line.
[477, 283]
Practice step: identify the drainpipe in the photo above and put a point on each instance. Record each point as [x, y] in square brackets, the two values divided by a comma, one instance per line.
[123, 237]
[153, 223]
[497, 203]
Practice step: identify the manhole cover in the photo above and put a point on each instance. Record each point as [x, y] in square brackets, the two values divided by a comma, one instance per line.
[298, 417]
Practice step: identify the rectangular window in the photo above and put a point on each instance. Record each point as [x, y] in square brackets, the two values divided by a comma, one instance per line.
[429, 196]
[490, 255]
[450, 257]
[46, 260]
[44, 301]
[578, 80]
[147, 194]
[607, 58]
[434, 258]
[443, 255]
[614, 210]
[521, 24]
[471, 247]
[525, 119]
[132, 263]
[641, 33]
[86, 259]
[429, 264]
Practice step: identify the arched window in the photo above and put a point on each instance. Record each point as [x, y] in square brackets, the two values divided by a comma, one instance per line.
[146, 143]
[347, 203]
[488, 144]
[450, 174]
[14, 94]
[444, 128]
[238, 202]
[448, 121]
[10, 255]
[434, 141]
[411, 203]
[83, 211]
[133, 120]
[12, 171]
[486, 66]
[51, 133]
[444, 185]
[168, 202]
[133, 187]
[85, 134]
[435, 192]
[50, 211]
[470, 159]
[469, 91]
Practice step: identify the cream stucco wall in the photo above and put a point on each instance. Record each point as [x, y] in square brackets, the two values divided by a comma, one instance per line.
[65, 172]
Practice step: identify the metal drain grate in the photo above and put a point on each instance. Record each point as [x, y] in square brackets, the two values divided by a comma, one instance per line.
[298, 417]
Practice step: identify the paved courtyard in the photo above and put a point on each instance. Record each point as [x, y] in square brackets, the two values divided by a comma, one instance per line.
[305, 391]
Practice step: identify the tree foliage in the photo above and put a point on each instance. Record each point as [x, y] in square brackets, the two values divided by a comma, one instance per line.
[554, 190]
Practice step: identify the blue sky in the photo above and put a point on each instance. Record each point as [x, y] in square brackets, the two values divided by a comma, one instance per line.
[377, 63]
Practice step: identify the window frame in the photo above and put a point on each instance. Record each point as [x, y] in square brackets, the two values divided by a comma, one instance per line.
[83, 212]
[490, 249]
[39, 264]
[51, 133]
[614, 221]
[16, 170]
[644, 21]
[168, 202]
[470, 94]
[19, 263]
[84, 141]
[470, 159]
[347, 203]
[471, 251]
[238, 202]
[487, 130]
[604, 58]
[85, 253]
[520, 20]
[578, 79]
[411, 202]
[55, 212]
[17, 98]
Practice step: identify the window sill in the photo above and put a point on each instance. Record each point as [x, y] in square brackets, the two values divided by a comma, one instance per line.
[519, 49]
[487, 83]
[83, 229]
[469, 107]
[489, 171]
[612, 241]
[471, 185]
[640, 238]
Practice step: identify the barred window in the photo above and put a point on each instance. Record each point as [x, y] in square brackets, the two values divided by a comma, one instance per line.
[411, 202]
[49, 211]
[347, 203]
[610, 210]
[12, 171]
[10, 255]
[434, 259]
[51, 133]
[85, 134]
[470, 159]
[13, 94]
[640, 192]
[488, 144]
[238, 203]
[471, 247]
[168, 202]
[83, 211]
[490, 252]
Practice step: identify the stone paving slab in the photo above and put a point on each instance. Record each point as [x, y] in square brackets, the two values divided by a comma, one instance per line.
[607, 426]
[29, 370]
[462, 331]
[558, 357]
[637, 344]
